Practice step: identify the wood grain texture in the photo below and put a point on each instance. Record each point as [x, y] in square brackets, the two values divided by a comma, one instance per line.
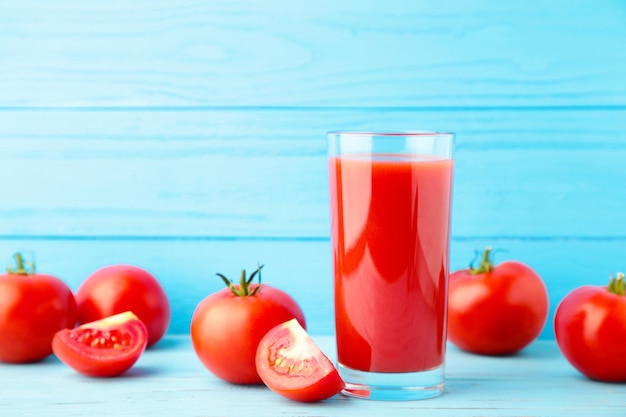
[188, 138]
[278, 52]
[169, 380]
[238, 173]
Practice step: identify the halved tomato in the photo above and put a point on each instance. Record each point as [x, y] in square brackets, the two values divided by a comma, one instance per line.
[102, 348]
[292, 365]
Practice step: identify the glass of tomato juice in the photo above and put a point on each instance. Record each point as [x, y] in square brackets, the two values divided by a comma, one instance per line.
[390, 196]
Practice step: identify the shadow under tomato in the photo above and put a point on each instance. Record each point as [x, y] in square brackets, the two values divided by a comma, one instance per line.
[139, 372]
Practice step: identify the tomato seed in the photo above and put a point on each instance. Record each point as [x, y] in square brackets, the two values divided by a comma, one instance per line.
[290, 366]
[114, 339]
[84, 337]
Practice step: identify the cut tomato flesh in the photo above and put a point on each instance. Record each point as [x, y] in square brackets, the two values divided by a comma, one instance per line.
[106, 347]
[295, 354]
[101, 339]
[290, 364]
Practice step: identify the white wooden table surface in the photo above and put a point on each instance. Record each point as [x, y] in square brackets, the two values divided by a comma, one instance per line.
[169, 380]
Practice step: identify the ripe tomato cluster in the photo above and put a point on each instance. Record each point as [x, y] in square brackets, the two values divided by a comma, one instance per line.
[249, 333]
[121, 309]
[253, 333]
[500, 309]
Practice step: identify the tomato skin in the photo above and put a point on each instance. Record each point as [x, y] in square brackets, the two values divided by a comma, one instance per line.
[32, 309]
[497, 312]
[102, 361]
[226, 329]
[291, 365]
[115, 289]
[590, 330]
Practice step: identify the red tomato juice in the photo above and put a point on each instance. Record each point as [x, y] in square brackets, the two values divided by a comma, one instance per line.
[390, 221]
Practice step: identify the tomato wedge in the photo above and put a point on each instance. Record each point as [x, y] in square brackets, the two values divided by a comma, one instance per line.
[102, 348]
[292, 365]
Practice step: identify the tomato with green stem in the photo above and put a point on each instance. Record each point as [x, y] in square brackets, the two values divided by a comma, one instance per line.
[227, 326]
[33, 307]
[496, 309]
[292, 365]
[590, 330]
[103, 348]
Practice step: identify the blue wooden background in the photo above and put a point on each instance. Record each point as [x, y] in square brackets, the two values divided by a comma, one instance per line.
[188, 137]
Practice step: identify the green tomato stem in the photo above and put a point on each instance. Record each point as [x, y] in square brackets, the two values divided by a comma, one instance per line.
[486, 263]
[243, 284]
[243, 290]
[616, 284]
[21, 267]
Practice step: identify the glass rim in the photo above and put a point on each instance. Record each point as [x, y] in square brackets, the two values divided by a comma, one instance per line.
[416, 133]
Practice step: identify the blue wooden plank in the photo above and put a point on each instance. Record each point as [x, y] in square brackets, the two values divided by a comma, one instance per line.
[169, 380]
[278, 52]
[208, 172]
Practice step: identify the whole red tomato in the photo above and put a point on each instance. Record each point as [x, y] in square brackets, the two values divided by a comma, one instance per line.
[590, 330]
[228, 325]
[496, 309]
[33, 307]
[103, 348]
[116, 289]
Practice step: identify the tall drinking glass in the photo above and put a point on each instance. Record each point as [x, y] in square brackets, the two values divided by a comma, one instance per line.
[390, 196]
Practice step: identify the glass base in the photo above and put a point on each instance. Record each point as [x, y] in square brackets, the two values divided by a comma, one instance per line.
[392, 386]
